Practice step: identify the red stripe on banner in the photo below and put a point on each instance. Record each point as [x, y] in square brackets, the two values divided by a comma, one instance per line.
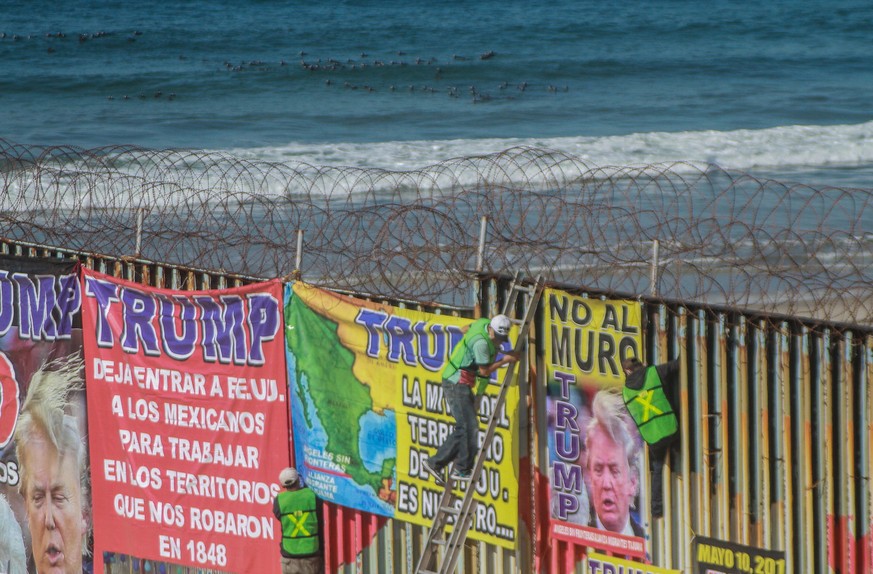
[327, 471]
[866, 549]
[339, 534]
[833, 538]
[10, 401]
[350, 531]
[847, 543]
[328, 539]
[569, 558]
[841, 544]
[553, 557]
[537, 525]
[359, 540]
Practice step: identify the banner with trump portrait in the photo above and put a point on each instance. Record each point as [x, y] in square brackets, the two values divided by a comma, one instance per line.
[44, 497]
[595, 451]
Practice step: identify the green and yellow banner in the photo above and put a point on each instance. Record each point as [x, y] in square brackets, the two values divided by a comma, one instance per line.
[367, 408]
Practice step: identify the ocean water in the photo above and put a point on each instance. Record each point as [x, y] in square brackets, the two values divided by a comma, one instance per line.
[780, 89]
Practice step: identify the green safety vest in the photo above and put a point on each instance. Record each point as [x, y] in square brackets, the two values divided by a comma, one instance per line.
[650, 408]
[478, 329]
[299, 522]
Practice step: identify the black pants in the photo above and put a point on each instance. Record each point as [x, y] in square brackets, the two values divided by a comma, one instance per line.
[462, 445]
[657, 456]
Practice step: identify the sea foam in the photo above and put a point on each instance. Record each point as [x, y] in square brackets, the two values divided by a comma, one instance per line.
[772, 149]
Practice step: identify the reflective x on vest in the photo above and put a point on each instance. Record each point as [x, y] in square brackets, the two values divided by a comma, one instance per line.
[650, 408]
[645, 398]
[299, 522]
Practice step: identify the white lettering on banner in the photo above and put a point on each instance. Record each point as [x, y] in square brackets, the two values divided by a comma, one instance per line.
[600, 537]
[428, 432]
[222, 522]
[485, 517]
[121, 471]
[174, 381]
[238, 456]
[129, 506]
[140, 410]
[9, 472]
[486, 407]
[166, 513]
[407, 498]
[323, 484]
[44, 305]
[219, 487]
[252, 389]
[211, 554]
[326, 461]
[141, 443]
[430, 500]
[495, 450]
[215, 420]
[434, 393]
[169, 547]
[411, 393]
[415, 467]
[150, 379]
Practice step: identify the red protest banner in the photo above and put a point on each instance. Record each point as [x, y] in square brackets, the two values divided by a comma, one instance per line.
[189, 425]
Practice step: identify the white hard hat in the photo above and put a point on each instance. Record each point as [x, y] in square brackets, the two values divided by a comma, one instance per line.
[501, 324]
[288, 477]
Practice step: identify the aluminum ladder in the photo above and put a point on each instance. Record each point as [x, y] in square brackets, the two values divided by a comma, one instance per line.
[459, 511]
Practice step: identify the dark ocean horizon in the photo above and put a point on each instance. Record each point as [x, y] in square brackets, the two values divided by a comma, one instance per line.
[780, 89]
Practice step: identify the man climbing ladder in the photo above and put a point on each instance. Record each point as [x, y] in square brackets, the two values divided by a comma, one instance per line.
[470, 367]
[472, 361]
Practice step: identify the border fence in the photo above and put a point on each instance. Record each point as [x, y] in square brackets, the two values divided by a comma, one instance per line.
[762, 288]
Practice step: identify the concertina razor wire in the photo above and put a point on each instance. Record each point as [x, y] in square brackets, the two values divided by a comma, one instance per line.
[682, 231]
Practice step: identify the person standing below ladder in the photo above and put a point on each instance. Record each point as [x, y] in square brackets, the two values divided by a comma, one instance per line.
[297, 509]
[470, 367]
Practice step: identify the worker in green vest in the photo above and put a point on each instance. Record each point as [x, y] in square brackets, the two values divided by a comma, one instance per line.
[298, 511]
[651, 396]
[469, 368]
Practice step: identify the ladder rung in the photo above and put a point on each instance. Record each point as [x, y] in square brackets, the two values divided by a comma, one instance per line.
[426, 572]
[517, 321]
[443, 542]
[450, 510]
